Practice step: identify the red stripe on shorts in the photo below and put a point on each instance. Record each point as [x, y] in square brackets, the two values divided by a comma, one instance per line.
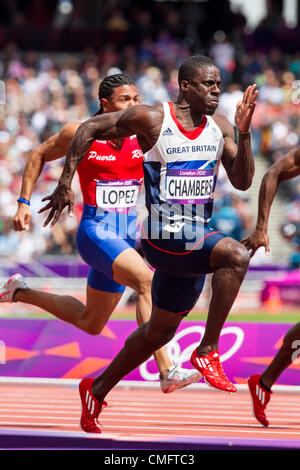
[173, 252]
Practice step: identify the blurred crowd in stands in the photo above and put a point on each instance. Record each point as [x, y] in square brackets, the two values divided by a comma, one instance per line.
[48, 84]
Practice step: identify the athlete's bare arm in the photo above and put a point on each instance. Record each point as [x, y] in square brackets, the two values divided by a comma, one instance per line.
[238, 159]
[284, 169]
[143, 120]
[52, 149]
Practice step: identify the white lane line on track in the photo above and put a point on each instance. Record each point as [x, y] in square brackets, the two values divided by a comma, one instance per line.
[24, 416]
[108, 412]
[169, 399]
[155, 396]
[197, 407]
[108, 421]
[26, 425]
[203, 410]
[33, 411]
[196, 421]
[134, 404]
[255, 426]
[200, 418]
[203, 402]
[39, 407]
[268, 433]
[126, 384]
[135, 430]
[45, 400]
[225, 410]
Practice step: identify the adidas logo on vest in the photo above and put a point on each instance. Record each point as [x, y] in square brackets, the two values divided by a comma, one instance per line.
[167, 132]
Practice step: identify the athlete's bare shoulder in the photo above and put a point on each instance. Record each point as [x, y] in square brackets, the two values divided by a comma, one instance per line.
[288, 166]
[69, 129]
[224, 125]
[145, 115]
[146, 121]
[66, 134]
[56, 146]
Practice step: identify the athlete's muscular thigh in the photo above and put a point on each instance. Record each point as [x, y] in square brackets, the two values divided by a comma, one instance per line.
[130, 269]
[228, 252]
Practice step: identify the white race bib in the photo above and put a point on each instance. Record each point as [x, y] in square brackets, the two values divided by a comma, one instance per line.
[189, 186]
[117, 194]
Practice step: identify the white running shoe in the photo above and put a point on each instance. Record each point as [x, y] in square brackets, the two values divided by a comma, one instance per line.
[177, 377]
[9, 288]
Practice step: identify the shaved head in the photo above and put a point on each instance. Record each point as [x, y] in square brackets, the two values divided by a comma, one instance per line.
[190, 65]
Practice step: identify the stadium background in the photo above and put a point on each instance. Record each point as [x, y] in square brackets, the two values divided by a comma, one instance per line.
[53, 56]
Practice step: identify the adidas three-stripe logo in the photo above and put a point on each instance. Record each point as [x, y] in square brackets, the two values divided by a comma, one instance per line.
[167, 132]
[90, 402]
[260, 394]
[204, 363]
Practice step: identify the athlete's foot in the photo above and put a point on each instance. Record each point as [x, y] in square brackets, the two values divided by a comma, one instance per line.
[90, 407]
[211, 368]
[260, 397]
[177, 377]
[10, 287]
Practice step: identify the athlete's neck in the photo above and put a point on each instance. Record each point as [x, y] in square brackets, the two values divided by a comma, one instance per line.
[187, 116]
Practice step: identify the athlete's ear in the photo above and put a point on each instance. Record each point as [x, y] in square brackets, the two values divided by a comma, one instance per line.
[105, 105]
[184, 84]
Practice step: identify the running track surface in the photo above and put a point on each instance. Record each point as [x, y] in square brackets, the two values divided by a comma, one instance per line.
[40, 416]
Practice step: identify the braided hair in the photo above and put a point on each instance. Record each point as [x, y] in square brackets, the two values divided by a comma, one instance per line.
[108, 84]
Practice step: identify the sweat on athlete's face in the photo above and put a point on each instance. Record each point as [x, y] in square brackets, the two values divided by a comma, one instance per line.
[122, 97]
[204, 88]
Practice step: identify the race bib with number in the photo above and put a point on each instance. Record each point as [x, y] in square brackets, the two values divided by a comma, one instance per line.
[117, 194]
[189, 186]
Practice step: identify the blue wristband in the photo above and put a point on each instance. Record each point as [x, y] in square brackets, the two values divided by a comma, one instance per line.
[24, 200]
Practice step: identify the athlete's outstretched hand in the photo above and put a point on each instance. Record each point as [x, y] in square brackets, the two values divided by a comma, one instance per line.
[245, 109]
[255, 240]
[58, 200]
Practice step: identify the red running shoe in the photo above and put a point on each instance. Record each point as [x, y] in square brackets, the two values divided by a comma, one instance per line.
[90, 407]
[260, 398]
[211, 369]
